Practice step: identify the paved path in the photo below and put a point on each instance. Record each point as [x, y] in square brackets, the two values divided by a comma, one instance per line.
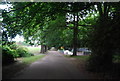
[53, 66]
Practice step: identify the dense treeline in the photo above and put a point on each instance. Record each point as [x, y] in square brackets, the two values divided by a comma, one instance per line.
[104, 38]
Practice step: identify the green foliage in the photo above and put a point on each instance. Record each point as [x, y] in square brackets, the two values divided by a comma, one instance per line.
[56, 37]
[11, 51]
[19, 51]
[13, 46]
[12, 28]
[4, 37]
[46, 16]
[23, 52]
[101, 58]
[7, 55]
[104, 40]
[47, 25]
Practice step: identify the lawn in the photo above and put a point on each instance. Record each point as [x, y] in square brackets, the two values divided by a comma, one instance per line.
[28, 60]
[34, 50]
[82, 57]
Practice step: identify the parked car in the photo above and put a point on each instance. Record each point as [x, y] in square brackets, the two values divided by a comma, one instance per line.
[67, 52]
[85, 51]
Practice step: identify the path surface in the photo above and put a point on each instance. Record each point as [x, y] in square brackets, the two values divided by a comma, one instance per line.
[53, 66]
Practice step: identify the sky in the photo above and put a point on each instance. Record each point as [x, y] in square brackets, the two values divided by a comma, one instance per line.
[3, 6]
[17, 38]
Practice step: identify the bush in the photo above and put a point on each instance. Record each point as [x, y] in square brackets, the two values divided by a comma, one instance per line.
[13, 46]
[11, 51]
[7, 55]
[19, 51]
[23, 52]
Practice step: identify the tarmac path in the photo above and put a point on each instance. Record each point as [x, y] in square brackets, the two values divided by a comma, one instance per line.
[53, 66]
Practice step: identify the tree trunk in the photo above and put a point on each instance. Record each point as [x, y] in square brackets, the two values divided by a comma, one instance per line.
[75, 33]
[41, 51]
[43, 48]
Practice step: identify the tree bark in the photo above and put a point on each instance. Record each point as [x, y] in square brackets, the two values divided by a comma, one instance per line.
[43, 49]
[75, 33]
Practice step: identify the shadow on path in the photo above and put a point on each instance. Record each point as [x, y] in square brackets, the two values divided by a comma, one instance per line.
[53, 66]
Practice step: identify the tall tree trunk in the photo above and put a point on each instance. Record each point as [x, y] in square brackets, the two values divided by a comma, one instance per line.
[102, 57]
[75, 33]
[46, 48]
[41, 51]
[43, 48]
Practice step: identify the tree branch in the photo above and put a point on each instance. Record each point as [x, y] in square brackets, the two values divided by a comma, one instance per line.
[21, 7]
[85, 7]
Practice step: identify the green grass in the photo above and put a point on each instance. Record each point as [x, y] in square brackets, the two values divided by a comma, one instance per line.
[34, 50]
[28, 60]
[78, 57]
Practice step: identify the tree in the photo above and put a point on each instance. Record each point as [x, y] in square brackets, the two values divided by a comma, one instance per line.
[101, 41]
[93, 25]
[42, 13]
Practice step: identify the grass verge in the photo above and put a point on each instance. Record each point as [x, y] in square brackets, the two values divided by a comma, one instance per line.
[28, 60]
[84, 58]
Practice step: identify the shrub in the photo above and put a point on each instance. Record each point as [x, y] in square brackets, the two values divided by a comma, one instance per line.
[11, 51]
[23, 52]
[13, 46]
[7, 55]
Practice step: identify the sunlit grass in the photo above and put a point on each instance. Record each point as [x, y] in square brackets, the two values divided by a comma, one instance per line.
[28, 60]
[34, 50]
